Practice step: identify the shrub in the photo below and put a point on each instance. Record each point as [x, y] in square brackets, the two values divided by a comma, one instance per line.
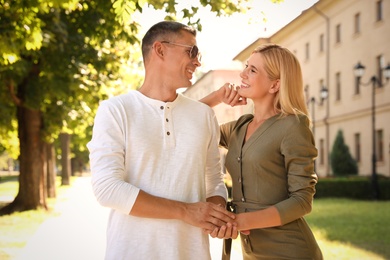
[359, 188]
[342, 162]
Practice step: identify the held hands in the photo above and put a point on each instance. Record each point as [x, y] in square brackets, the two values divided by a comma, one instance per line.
[228, 94]
[207, 216]
[230, 230]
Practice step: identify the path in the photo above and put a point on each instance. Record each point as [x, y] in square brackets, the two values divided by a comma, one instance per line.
[79, 231]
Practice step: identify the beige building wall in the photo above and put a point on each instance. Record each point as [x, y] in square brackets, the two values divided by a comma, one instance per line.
[329, 39]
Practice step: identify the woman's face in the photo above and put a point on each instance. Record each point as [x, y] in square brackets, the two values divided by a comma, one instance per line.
[255, 83]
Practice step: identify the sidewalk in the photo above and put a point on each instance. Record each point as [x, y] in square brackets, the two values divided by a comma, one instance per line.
[79, 231]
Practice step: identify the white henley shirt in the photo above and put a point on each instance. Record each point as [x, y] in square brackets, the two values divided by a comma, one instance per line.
[167, 149]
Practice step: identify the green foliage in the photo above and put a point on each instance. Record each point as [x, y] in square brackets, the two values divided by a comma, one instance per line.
[341, 160]
[359, 188]
[178, 11]
[67, 55]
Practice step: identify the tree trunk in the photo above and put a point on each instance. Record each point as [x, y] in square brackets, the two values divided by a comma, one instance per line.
[51, 172]
[31, 163]
[65, 159]
[30, 123]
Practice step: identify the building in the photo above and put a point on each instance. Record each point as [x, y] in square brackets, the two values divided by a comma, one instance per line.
[329, 39]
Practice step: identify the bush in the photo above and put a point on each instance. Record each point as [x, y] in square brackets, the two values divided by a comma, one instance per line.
[341, 160]
[359, 188]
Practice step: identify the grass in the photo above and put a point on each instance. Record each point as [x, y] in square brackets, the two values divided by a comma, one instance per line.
[350, 229]
[16, 229]
[345, 229]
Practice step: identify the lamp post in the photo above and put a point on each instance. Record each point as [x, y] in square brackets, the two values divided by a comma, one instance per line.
[375, 81]
[323, 95]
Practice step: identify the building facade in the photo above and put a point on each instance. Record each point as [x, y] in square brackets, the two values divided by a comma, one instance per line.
[329, 39]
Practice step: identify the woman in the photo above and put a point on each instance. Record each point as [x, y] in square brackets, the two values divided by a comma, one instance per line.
[270, 158]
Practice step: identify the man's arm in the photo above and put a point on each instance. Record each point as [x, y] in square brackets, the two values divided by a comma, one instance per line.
[205, 215]
[226, 94]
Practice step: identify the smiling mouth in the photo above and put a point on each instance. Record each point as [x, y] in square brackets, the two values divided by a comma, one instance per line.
[243, 85]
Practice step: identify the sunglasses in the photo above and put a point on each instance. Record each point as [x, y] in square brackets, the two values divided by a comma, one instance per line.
[194, 51]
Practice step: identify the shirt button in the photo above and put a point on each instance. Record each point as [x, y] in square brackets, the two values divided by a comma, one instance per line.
[239, 159]
[161, 107]
[167, 120]
[239, 180]
[242, 199]
[168, 133]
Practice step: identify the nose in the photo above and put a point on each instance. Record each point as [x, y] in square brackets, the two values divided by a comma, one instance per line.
[243, 74]
[196, 62]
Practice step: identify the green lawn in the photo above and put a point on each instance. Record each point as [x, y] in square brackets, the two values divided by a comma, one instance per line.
[345, 229]
[349, 229]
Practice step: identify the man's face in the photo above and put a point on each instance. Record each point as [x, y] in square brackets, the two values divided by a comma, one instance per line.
[181, 60]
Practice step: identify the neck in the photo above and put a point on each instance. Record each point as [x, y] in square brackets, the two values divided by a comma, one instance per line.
[157, 93]
[260, 116]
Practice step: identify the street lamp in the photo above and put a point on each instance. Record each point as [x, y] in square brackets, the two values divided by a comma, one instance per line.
[359, 71]
[323, 96]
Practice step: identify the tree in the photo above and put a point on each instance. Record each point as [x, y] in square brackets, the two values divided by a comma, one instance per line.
[59, 58]
[55, 62]
[341, 160]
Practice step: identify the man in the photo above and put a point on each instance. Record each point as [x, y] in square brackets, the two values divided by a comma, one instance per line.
[155, 160]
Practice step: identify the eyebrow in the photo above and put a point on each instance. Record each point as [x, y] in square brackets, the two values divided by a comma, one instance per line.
[252, 67]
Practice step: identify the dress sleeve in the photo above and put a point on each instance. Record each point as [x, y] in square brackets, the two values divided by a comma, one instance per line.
[228, 129]
[107, 153]
[299, 152]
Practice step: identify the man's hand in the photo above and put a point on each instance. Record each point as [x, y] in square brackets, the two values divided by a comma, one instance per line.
[228, 94]
[207, 216]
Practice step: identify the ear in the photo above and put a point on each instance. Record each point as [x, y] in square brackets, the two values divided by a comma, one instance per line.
[275, 87]
[158, 49]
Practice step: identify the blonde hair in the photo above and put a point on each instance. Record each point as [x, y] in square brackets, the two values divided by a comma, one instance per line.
[280, 63]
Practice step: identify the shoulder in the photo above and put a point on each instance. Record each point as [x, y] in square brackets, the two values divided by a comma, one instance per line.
[121, 100]
[295, 121]
[236, 124]
[195, 104]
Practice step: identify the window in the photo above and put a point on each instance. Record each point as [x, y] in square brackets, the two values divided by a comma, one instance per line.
[322, 152]
[357, 86]
[357, 23]
[338, 86]
[338, 33]
[320, 88]
[379, 10]
[307, 51]
[322, 43]
[380, 64]
[379, 146]
[357, 147]
[307, 94]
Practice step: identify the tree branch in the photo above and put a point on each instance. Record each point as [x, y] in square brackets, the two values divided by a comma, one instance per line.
[16, 100]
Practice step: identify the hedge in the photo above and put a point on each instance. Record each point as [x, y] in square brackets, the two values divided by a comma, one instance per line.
[359, 188]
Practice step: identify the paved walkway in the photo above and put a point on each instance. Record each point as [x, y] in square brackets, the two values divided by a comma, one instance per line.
[79, 231]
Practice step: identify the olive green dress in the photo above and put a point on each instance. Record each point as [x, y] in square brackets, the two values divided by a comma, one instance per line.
[274, 167]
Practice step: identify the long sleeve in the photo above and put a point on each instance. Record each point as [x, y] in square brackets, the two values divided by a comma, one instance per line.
[107, 160]
[299, 152]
